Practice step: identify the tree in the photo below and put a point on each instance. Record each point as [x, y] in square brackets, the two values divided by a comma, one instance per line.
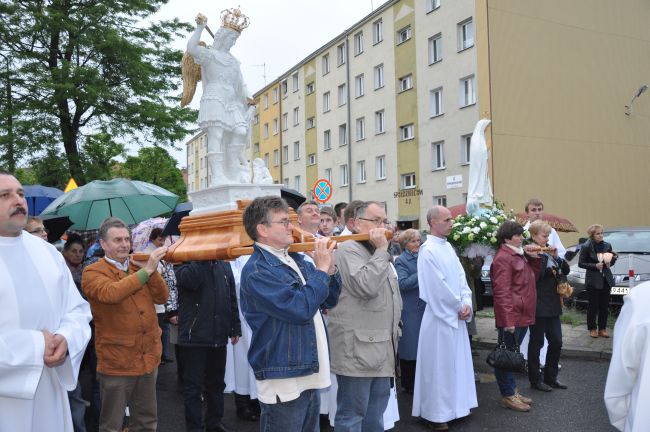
[155, 165]
[78, 65]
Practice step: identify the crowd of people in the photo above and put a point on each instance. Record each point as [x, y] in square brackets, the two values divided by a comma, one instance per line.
[308, 335]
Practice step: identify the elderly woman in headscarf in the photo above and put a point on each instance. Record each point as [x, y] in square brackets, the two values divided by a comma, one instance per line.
[413, 307]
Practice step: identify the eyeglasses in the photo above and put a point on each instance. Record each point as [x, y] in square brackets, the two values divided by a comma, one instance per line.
[376, 221]
[38, 231]
[284, 222]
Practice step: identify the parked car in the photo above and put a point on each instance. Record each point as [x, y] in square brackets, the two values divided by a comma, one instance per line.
[632, 244]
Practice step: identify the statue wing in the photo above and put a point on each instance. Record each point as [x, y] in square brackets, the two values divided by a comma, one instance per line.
[191, 75]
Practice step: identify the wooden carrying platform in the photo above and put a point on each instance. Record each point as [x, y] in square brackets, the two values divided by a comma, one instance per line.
[221, 236]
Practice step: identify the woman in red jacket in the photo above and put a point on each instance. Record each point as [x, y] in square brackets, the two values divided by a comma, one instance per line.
[513, 271]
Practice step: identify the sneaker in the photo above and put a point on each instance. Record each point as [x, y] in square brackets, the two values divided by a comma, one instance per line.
[513, 403]
[524, 399]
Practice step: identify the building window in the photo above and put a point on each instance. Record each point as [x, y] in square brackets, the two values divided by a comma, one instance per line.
[361, 171]
[310, 88]
[358, 43]
[344, 175]
[432, 5]
[380, 167]
[435, 48]
[379, 122]
[311, 122]
[340, 54]
[283, 88]
[408, 181]
[361, 128]
[296, 116]
[285, 121]
[256, 147]
[286, 182]
[403, 35]
[266, 131]
[256, 119]
[266, 101]
[377, 32]
[438, 155]
[276, 126]
[325, 63]
[440, 200]
[435, 102]
[328, 174]
[266, 160]
[275, 95]
[296, 150]
[406, 132]
[406, 83]
[343, 94]
[276, 157]
[465, 142]
[312, 159]
[343, 134]
[296, 183]
[379, 76]
[358, 86]
[467, 92]
[296, 84]
[465, 34]
[327, 140]
[326, 102]
[285, 154]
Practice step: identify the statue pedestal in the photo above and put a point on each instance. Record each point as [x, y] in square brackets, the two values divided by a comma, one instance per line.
[224, 197]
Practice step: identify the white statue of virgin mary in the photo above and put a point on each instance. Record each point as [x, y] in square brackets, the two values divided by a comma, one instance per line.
[479, 190]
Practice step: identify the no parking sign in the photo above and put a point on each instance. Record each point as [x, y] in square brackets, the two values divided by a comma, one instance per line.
[322, 190]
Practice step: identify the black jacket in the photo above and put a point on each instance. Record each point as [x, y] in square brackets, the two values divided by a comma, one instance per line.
[207, 304]
[548, 300]
[588, 260]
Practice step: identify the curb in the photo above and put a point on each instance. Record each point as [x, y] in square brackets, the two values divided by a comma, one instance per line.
[577, 353]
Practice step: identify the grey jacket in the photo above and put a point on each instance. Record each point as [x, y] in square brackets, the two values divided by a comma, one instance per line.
[364, 328]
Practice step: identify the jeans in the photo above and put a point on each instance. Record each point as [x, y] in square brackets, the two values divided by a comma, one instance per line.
[552, 328]
[598, 305]
[361, 403]
[77, 409]
[204, 370]
[505, 379]
[298, 415]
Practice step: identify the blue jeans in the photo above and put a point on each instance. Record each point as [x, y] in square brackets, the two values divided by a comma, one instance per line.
[298, 415]
[505, 379]
[77, 409]
[360, 404]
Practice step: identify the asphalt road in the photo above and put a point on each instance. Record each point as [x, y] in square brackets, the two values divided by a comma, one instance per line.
[580, 408]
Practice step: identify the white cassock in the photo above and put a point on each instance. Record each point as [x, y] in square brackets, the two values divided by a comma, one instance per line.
[37, 293]
[627, 390]
[239, 375]
[444, 376]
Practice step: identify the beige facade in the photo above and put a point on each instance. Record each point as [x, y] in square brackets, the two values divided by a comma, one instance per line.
[197, 168]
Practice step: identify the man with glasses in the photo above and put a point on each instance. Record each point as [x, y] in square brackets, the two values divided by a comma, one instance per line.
[281, 295]
[35, 227]
[444, 375]
[363, 327]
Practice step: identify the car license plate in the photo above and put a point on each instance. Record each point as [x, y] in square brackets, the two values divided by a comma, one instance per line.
[618, 290]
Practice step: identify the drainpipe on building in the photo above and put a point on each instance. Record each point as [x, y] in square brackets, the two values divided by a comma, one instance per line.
[281, 133]
[349, 131]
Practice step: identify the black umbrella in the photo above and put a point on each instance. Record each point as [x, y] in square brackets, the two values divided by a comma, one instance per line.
[181, 210]
[292, 197]
[56, 226]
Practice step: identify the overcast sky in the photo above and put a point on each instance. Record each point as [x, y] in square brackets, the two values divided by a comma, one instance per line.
[281, 33]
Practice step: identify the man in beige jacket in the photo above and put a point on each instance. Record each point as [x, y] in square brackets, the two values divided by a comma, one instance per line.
[363, 327]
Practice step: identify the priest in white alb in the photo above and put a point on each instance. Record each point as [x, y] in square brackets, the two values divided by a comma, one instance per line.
[43, 325]
[444, 376]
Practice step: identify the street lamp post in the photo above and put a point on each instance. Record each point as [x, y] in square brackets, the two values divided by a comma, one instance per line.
[639, 92]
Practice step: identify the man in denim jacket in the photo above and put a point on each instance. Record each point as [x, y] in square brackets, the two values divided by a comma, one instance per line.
[281, 297]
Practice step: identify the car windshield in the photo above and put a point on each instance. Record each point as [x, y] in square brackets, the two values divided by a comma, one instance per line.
[629, 241]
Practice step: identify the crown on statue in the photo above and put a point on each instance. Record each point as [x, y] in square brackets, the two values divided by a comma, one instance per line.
[234, 19]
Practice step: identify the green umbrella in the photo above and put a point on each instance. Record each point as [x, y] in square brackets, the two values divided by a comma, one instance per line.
[130, 200]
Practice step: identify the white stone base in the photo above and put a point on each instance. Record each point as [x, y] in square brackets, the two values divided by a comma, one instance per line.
[225, 197]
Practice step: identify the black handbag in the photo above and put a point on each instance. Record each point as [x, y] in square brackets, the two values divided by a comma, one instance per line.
[510, 360]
